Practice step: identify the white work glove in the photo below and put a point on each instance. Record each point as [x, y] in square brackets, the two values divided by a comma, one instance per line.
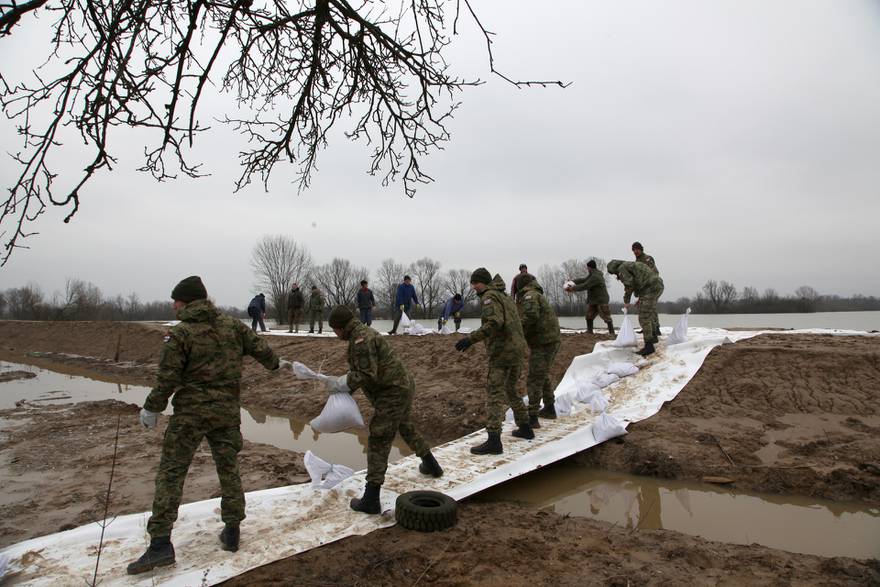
[285, 364]
[338, 384]
[148, 419]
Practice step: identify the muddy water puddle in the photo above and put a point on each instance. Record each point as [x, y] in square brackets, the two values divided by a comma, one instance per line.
[51, 387]
[792, 523]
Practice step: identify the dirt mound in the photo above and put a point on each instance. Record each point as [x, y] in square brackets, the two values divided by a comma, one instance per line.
[507, 544]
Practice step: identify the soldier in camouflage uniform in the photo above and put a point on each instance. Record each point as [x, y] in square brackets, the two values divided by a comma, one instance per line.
[502, 331]
[648, 286]
[375, 369]
[200, 365]
[597, 296]
[642, 257]
[295, 302]
[541, 329]
[316, 310]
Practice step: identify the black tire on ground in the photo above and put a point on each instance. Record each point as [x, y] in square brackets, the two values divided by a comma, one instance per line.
[426, 511]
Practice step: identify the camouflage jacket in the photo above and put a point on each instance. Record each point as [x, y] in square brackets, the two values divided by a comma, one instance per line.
[295, 299]
[594, 284]
[501, 328]
[539, 323]
[649, 261]
[637, 278]
[316, 301]
[200, 364]
[372, 363]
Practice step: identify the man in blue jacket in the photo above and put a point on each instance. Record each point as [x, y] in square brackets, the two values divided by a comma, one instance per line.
[453, 307]
[404, 300]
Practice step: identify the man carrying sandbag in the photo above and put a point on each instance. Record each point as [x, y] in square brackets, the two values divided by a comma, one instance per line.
[638, 278]
[541, 329]
[374, 368]
[501, 329]
[200, 365]
[642, 257]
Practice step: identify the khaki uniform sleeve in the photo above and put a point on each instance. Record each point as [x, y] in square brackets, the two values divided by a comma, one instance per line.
[492, 316]
[170, 378]
[628, 282]
[585, 283]
[364, 364]
[257, 347]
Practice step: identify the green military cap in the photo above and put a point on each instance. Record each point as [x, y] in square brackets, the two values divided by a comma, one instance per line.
[189, 290]
[613, 265]
[481, 275]
[340, 316]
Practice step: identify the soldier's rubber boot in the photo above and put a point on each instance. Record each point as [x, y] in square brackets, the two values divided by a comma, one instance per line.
[610, 328]
[534, 422]
[369, 503]
[229, 538]
[524, 431]
[589, 327]
[548, 412]
[492, 446]
[312, 331]
[321, 330]
[160, 553]
[430, 466]
[647, 350]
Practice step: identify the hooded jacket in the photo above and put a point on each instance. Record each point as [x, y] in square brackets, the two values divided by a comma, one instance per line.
[539, 322]
[637, 278]
[500, 326]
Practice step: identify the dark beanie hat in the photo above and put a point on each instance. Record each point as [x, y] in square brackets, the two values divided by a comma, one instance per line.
[591, 263]
[340, 316]
[481, 275]
[189, 290]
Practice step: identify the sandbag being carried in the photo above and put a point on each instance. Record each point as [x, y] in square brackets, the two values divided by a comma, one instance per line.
[622, 369]
[303, 372]
[340, 413]
[404, 320]
[626, 336]
[680, 332]
[447, 329]
[325, 475]
[606, 426]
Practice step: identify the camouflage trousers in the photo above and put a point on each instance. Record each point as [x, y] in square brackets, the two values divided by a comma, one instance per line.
[294, 317]
[538, 381]
[602, 310]
[648, 319]
[316, 316]
[501, 392]
[392, 414]
[182, 439]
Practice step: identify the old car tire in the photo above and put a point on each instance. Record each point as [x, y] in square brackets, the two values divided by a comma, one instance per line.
[426, 511]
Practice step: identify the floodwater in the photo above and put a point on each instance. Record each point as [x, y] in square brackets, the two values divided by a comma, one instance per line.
[796, 524]
[788, 522]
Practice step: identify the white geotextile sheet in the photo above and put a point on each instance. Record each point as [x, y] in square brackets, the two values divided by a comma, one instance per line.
[288, 520]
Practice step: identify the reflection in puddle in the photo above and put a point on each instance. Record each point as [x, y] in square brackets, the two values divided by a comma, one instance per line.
[792, 523]
[346, 448]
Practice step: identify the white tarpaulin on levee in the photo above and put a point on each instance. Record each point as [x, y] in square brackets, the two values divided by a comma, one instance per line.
[288, 520]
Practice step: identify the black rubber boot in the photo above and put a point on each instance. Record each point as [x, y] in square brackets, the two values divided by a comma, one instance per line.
[589, 327]
[320, 331]
[492, 446]
[534, 422]
[312, 331]
[160, 553]
[610, 328]
[548, 412]
[648, 350]
[524, 431]
[229, 538]
[430, 466]
[369, 503]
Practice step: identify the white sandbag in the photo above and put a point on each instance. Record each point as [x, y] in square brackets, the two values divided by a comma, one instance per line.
[585, 391]
[680, 332]
[325, 475]
[404, 320]
[508, 415]
[606, 426]
[605, 379]
[340, 413]
[416, 329]
[626, 336]
[598, 403]
[563, 404]
[622, 369]
[568, 284]
[447, 329]
[303, 372]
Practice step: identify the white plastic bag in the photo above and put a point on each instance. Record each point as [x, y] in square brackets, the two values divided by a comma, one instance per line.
[325, 475]
[680, 332]
[563, 404]
[447, 329]
[598, 403]
[622, 369]
[303, 372]
[416, 329]
[626, 336]
[340, 413]
[568, 284]
[605, 379]
[404, 319]
[606, 426]
[585, 391]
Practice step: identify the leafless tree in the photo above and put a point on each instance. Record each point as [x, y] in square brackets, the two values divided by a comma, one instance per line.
[428, 282]
[81, 300]
[719, 295]
[25, 303]
[292, 70]
[390, 274]
[277, 262]
[749, 295]
[339, 280]
[552, 279]
[806, 297]
[459, 281]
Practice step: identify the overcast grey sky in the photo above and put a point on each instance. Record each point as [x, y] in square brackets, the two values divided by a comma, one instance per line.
[737, 139]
